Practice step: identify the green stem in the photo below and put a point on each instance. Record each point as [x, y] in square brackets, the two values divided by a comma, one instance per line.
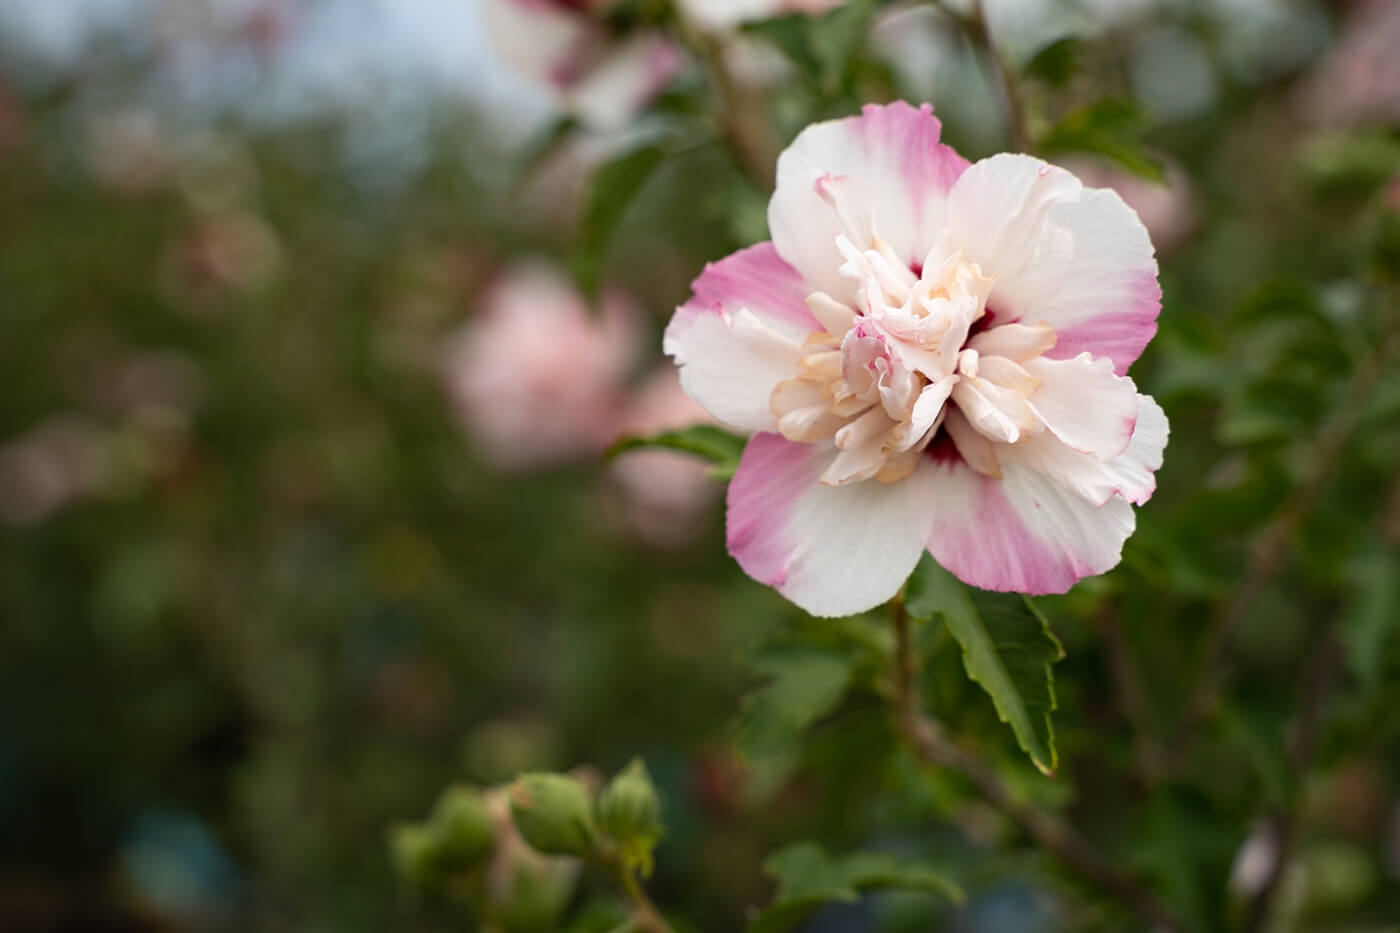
[644, 915]
[926, 739]
[974, 25]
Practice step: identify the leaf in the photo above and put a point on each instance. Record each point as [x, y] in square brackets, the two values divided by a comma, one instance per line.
[614, 187]
[1056, 63]
[808, 878]
[805, 685]
[708, 441]
[1007, 649]
[1370, 624]
[1109, 128]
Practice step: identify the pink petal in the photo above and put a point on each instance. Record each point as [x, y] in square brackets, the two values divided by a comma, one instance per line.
[1076, 258]
[1022, 533]
[832, 550]
[1085, 404]
[741, 335]
[895, 150]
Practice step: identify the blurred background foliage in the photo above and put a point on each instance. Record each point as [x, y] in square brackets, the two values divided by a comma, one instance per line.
[266, 588]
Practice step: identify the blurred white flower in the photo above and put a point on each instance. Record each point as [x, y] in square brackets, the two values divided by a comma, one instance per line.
[604, 80]
[726, 14]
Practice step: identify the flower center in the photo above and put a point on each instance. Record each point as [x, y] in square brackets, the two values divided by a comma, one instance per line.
[903, 360]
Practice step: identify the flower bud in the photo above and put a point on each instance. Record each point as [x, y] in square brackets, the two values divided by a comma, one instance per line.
[554, 812]
[462, 826]
[629, 808]
[413, 850]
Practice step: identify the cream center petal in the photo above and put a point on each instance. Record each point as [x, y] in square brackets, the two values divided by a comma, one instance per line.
[908, 359]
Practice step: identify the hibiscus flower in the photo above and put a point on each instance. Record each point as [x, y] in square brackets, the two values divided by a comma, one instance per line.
[931, 355]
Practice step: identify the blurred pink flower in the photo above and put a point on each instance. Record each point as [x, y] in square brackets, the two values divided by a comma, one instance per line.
[58, 462]
[726, 14]
[1358, 81]
[602, 79]
[1167, 209]
[932, 356]
[535, 376]
[665, 493]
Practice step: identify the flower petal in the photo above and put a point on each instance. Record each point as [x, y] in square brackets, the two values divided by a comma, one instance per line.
[833, 550]
[895, 150]
[1076, 258]
[1022, 533]
[1084, 403]
[740, 335]
[1129, 475]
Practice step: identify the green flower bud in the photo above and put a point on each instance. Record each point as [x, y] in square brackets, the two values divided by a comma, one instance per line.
[464, 830]
[629, 808]
[554, 812]
[413, 850]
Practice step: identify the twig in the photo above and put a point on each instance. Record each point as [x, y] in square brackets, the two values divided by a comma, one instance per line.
[756, 156]
[1271, 547]
[1321, 674]
[926, 739]
[1151, 757]
[974, 24]
[644, 915]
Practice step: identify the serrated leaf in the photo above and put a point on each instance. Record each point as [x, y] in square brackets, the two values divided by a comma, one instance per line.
[804, 686]
[613, 188]
[1109, 128]
[1008, 650]
[720, 447]
[809, 878]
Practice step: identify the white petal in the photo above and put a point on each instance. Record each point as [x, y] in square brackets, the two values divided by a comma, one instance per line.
[833, 550]
[740, 335]
[1085, 404]
[1076, 258]
[1129, 475]
[895, 149]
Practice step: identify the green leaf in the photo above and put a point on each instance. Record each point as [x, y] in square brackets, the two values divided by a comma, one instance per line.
[714, 444]
[808, 878]
[614, 187]
[1007, 648]
[805, 685]
[1056, 63]
[1109, 128]
[1372, 619]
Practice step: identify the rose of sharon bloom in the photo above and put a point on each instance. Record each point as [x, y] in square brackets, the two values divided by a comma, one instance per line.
[535, 375]
[561, 44]
[726, 14]
[931, 355]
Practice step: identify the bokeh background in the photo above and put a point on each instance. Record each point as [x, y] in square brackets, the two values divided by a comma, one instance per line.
[316, 319]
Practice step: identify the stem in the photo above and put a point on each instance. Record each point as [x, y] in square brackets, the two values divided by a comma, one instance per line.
[926, 739]
[1132, 698]
[747, 138]
[974, 24]
[644, 915]
[1318, 680]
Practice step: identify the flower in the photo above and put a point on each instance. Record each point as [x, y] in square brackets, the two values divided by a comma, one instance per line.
[535, 376]
[931, 355]
[602, 79]
[726, 14]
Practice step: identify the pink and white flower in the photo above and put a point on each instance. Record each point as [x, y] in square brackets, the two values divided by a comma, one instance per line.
[535, 376]
[932, 355]
[562, 45]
